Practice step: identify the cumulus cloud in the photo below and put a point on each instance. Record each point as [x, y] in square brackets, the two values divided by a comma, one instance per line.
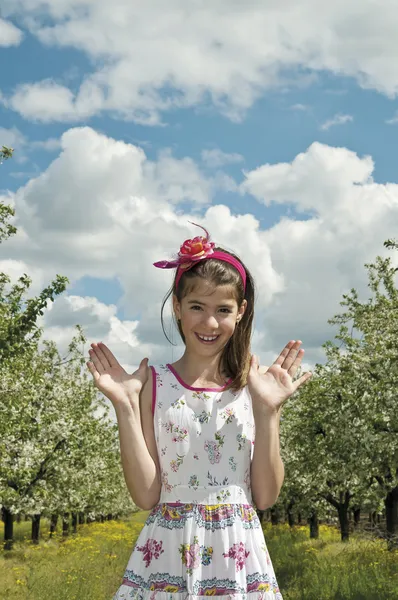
[336, 120]
[223, 53]
[9, 34]
[215, 158]
[102, 209]
[15, 139]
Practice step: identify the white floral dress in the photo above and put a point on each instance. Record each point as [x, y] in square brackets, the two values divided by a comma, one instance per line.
[203, 538]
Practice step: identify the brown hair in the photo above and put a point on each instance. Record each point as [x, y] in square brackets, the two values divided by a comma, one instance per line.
[235, 359]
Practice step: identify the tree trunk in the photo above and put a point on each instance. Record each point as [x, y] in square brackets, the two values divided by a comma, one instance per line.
[18, 518]
[357, 517]
[372, 519]
[344, 523]
[65, 525]
[53, 524]
[314, 525]
[391, 504]
[289, 510]
[36, 528]
[74, 522]
[110, 517]
[260, 514]
[275, 515]
[82, 518]
[299, 518]
[8, 518]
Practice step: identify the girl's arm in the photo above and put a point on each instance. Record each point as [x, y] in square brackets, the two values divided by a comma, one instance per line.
[138, 447]
[267, 470]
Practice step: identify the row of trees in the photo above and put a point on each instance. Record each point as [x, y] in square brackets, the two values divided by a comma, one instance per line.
[338, 436]
[59, 450]
[340, 432]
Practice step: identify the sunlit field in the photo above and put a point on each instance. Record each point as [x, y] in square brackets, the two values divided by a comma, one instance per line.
[90, 564]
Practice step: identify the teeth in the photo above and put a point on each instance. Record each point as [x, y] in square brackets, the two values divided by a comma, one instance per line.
[207, 339]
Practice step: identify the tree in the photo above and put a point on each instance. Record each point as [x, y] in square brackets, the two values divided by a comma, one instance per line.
[5, 153]
[340, 431]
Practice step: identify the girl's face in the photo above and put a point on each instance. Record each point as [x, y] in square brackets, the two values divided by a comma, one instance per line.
[208, 312]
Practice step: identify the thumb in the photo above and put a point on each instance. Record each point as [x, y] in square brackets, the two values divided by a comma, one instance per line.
[254, 364]
[144, 365]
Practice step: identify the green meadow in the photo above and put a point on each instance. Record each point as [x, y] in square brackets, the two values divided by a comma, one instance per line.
[89, 565]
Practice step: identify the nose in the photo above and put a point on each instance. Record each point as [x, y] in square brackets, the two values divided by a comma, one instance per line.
[210, 322]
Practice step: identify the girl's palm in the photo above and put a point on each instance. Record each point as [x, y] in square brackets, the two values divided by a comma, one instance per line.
[111, 379]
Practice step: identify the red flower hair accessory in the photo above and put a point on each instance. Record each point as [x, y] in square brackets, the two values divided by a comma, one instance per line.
[199, 248]
[190, 252]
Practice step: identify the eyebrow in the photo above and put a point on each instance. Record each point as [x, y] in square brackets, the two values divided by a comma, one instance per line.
[226, 305]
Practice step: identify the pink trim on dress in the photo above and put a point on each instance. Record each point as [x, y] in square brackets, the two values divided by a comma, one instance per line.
[153, 389]
[197, 389]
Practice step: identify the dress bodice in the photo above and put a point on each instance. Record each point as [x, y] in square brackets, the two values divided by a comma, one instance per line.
[205, 440]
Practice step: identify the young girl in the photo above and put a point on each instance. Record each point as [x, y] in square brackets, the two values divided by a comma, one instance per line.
[188, 444]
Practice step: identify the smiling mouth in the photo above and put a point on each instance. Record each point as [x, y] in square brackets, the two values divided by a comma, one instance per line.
[207, 339]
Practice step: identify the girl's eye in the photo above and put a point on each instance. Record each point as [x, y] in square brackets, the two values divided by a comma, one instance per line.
[195, 306]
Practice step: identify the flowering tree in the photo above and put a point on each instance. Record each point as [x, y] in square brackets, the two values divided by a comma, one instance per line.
[5, 153]
[339, 435]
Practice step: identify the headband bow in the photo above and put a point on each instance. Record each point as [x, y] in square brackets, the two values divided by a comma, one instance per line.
[196, 249]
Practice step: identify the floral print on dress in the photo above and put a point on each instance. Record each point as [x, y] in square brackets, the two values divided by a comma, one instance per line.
[239, 553]
[193, 482]
[241, 439]
[228, 414]
[178, 403]
[213, 481]
[232, 463]
[175, 464]
[213, 451]
[151, 549]
[180, 433]
[201, 396]
[192, 555]
[165, 481]
[203, 417]
[223, 496]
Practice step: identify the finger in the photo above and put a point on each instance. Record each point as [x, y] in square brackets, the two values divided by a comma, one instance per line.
[108, 355]
[97, 363]
[288, 354]
[302, 380]
[143, 364]
[254, 362]
[93, 371]
[296, 363]
[101, 356]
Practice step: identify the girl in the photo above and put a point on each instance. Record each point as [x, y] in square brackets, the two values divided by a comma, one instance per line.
[187, 439]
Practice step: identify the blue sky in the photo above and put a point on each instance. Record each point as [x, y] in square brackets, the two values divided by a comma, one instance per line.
[277, 122]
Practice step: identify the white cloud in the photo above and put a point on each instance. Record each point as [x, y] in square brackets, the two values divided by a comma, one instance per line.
[322, 180]
[393, 120]
[102, 210]
[9, 34]
[215, 158]
[15, 139]
[45, 101]
[336, 120]
[300, 107]
[223, 53]
[48, 145]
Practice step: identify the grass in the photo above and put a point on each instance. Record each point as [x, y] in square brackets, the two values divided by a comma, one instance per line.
[91, 563]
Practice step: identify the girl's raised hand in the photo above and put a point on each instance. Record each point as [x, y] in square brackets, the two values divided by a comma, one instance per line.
[271, 389]
[111, 379]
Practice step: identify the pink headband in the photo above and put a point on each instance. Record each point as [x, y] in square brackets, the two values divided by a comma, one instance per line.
[199, 248]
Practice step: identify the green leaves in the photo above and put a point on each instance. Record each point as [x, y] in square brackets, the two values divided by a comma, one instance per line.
[340, 434]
